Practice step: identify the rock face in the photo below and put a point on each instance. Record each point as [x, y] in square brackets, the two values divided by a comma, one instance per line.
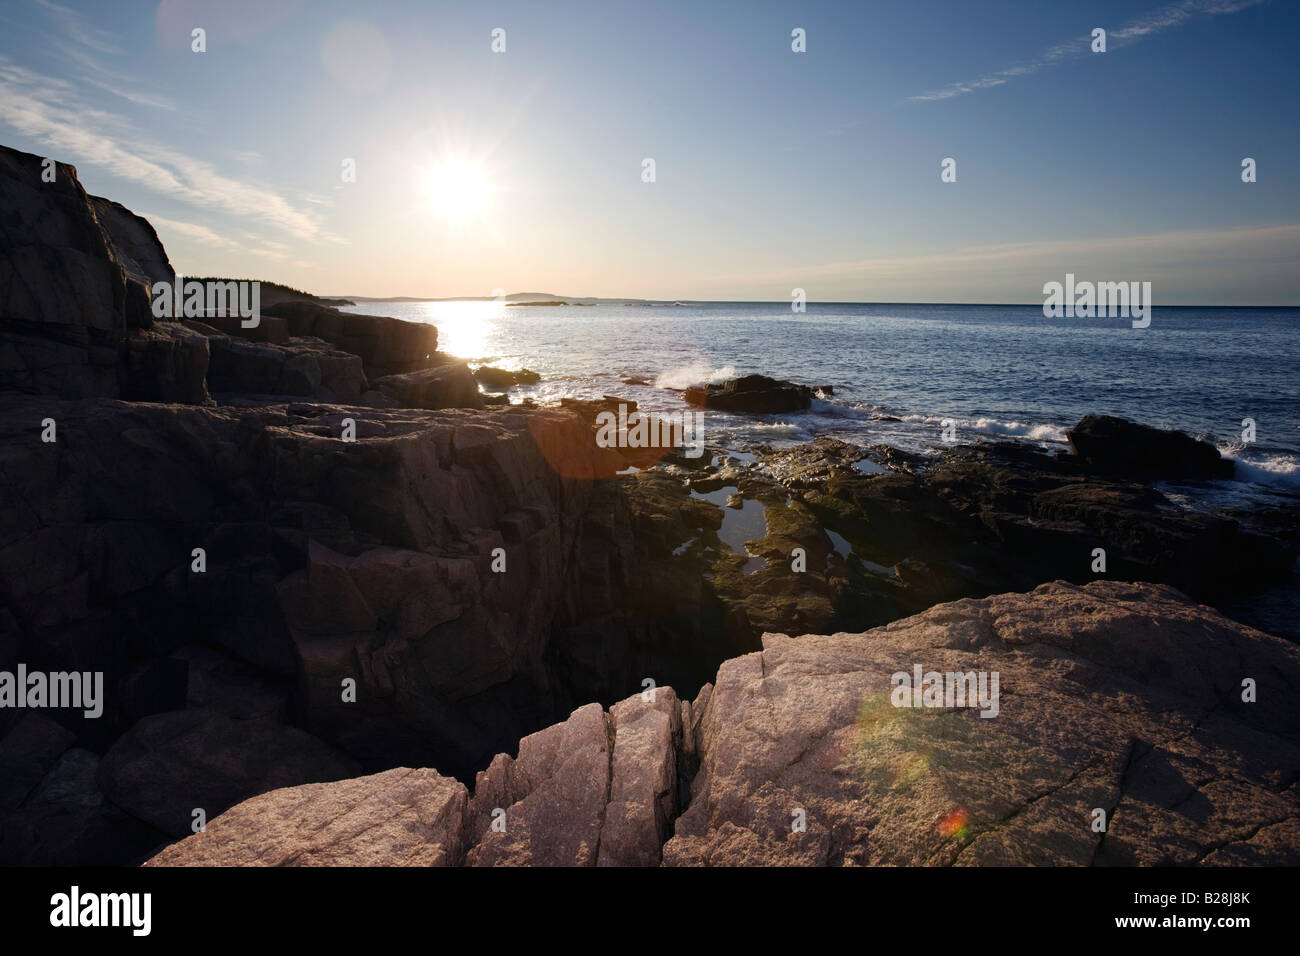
[1138, 452]
[75, 275]
[58, 261]
[753, 393]
[74, 288]
[445, 386]
[386, 346]
[1119, 698]
[76, 322]
[135, 243]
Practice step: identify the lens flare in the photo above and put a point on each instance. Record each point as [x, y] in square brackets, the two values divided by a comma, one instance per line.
[953, 825]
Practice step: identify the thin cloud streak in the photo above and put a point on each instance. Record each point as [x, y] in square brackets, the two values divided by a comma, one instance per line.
[1165, 18]
[79, 27]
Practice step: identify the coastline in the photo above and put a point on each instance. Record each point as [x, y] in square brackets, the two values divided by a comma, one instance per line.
[456, 580]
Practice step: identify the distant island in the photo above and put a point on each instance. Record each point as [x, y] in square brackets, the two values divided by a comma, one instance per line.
[556, 302]
[515, 298]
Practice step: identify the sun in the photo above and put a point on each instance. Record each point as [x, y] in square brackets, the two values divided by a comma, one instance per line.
[458, 190]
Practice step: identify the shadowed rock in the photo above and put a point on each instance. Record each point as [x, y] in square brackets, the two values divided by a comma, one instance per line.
[1135, 451]
[58, 262]
[491, 377]
[168, 765]
[753, 393]
[134, 241]
[387, 346]
[446, 386]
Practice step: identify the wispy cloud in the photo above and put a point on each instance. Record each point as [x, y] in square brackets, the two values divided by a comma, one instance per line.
[83, 45]
[189, 230]
[1165, 18]
[79, 27]
[171, 228]
[51, 112]
[114, 81]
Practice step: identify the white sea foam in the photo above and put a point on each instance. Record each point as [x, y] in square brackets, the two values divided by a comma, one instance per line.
[993, 427]
[697, 373]
[1282, 471]
[776, 429]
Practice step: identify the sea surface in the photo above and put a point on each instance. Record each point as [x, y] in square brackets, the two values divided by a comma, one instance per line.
[897, 371]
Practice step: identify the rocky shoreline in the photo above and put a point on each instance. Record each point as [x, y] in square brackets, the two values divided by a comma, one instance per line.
[314, 553]
[1118, 697]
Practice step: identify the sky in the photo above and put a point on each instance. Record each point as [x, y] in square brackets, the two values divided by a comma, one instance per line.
[523, 169]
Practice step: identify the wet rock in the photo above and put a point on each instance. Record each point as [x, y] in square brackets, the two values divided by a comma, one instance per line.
[491, 377]
[752, 393]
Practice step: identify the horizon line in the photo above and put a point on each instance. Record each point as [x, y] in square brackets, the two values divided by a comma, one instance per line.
[633, 299]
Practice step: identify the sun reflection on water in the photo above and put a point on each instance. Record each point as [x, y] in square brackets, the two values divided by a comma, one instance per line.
[464, 328]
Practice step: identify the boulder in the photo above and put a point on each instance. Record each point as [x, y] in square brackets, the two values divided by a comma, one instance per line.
[167, 363]
[491, 377]
[65, 821]
[387, 346]
[752, 393]
[445, 386]
[1115, 696]
[244, 367]
[644, 775]
[1139, 452]
[401, 817]
[553, 797]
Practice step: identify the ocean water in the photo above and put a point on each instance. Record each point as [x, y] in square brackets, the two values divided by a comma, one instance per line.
[999, 372]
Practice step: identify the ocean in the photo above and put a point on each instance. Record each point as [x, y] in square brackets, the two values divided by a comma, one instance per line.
[999, 372]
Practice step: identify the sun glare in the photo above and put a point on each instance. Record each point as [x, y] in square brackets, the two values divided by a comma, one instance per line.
[458, 190]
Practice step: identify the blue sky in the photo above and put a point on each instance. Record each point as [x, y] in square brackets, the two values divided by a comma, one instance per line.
[774, 169]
